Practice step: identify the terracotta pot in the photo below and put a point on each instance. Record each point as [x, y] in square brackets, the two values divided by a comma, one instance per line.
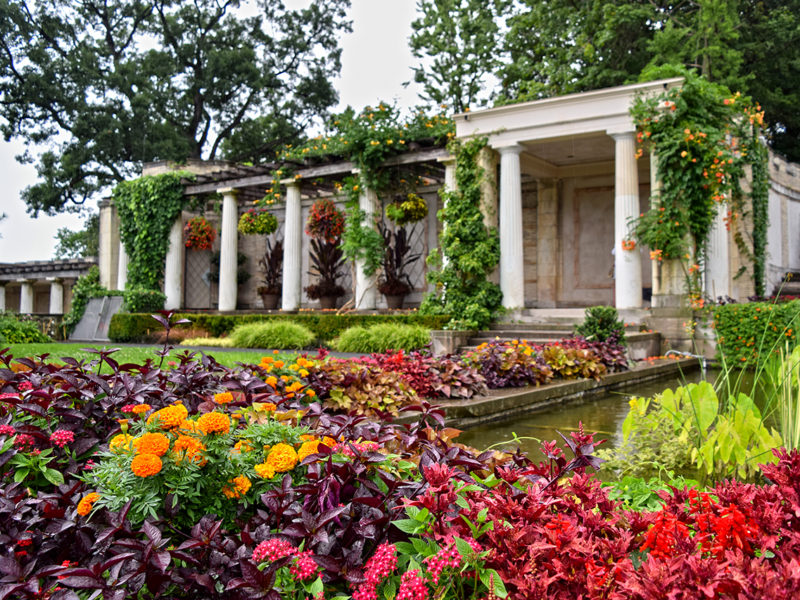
[328, 301]
[394, 300]
[270, 301]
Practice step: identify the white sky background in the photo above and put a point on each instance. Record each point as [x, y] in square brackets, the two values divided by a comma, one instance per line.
[376, 62]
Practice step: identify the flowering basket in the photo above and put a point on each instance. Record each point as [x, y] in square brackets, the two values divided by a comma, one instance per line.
[412, 210]
[257, 222]
[325, 221]
[198, 234]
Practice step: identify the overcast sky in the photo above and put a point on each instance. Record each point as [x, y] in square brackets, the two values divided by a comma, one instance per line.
[376, 62]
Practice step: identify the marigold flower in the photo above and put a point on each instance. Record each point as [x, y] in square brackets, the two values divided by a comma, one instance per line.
[86, 503]
[265, 406]
[169, 417]
[139, 409]
[152, 443]
[240, 486]
[188, 427]
[272, 381]
[120, 442]
[241, 447]
[223, 398]
[310, 393]
[307, 449]
[146, 465]
[329, 441]
[214, 422]
[189, 448]
[282, 458]
[307, 437]
[264, 470]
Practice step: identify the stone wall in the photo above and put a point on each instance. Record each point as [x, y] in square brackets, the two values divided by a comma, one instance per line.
[783, 238]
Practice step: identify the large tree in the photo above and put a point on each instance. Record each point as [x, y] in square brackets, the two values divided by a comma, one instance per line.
[458, 43]
[105, 85]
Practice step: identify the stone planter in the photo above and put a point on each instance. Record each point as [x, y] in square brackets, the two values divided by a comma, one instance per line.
[327, 302]
[394, 301]
[270, 301]
[444, 341]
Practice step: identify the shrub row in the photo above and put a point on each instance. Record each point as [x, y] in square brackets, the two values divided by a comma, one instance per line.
[16, 331]
[748, 334]
[140, 327]
[383, 337]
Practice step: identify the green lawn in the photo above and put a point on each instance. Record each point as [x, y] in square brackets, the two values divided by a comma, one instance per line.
[129, 354]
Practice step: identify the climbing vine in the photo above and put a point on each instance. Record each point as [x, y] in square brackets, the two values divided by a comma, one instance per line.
[462, 286]
[147, 208]
[703, 137]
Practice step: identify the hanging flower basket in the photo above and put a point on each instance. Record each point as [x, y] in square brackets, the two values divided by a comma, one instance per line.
[325, 221]
[411, 210]
[198, 234]
[257, 222]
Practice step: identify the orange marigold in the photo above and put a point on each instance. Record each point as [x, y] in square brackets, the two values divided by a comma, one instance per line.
[145, 465]
[188, 427]
[307, 449]
[241, 447]
[223, 398]
[272, 381]
[307, 437]
[152, 443]
[140, 408]
[120, 442]
[214, 422]
[240, 486]
[86, 503]
[329, 441]
[265, 471]
[169, 417]
[189, 448]
[282, 458]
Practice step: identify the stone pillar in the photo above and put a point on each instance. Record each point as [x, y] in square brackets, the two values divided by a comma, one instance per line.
[56, 296]
[292, 248]
[449, 186]
[229, 249]
[547, 264]
[2, 297]
[108, 244]
[367, 285]
[25, 297]
[512, 271]
[627, 263]
[173, 268]
[487, 160]
[122, 271]
[655, 193]
[717, 258]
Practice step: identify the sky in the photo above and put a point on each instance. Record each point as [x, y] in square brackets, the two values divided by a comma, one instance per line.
[376, 62]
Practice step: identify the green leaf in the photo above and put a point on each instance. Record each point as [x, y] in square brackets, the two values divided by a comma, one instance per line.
[20, 475]
[53, 476]
[464, 549]
[489, 575]
[409, 526]
[316, 588]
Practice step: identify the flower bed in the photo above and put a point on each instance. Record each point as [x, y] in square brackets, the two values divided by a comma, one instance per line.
[192, 480]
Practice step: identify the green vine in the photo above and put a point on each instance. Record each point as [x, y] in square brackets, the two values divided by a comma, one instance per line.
[360, 239]
[703, 137]
[147, 208]
[472, 250]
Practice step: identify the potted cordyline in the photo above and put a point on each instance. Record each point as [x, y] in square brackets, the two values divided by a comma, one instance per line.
[394, 282]
[325, 225]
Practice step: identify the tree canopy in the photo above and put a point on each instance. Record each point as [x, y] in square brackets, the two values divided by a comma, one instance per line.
[104, 85]
[83, 243]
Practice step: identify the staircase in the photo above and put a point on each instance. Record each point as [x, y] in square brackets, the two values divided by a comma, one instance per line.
[535, 333]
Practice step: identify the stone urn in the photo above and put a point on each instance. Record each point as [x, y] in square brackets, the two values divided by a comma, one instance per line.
[327, 302]
[269, 300]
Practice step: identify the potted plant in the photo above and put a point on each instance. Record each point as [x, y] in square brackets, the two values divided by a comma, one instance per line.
[272, 269]
[198, 234]
[394, 282]
[327, 264]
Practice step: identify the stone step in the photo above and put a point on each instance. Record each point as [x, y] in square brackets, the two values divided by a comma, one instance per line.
[525, 333]
[542, 326]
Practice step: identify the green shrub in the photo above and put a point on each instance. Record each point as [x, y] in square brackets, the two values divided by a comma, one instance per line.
[140, 299]
[215, 342]
[600, 323]
[15, 331]
[281, 334]
[127, 327]
[748, 334]
[383, 337]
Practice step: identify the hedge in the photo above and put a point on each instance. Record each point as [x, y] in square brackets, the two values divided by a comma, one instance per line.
[748, 334]
[139, 327]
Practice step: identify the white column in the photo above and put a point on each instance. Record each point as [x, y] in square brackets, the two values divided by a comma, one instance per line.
[229, 249]
[25, 297]
[627, 263]
[173, 268]
[2, 297]
[367, 286]
[512, 272]
[655, 193]
[122, 272]
[56, 297]
[717, 259]
[292, 248]
[449, 186]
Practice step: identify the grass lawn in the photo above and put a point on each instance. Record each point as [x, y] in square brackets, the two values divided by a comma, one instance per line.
[129, 354]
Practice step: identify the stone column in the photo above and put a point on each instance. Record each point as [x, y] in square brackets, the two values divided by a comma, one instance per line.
[655, 192]
[56, 296]
[449, 186]
[2, 297]
[717, 258]
[627, 263]
[25, 297]
[367, 285]
[292, 248]
[487, 161]
[108, 244]
[229, 249]
[547, 244]
[173, 267]
[122, 271]
[512, 271]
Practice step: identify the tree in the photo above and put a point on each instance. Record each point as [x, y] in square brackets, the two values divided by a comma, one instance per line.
[79, 244]
[458, 43]
[108, 84]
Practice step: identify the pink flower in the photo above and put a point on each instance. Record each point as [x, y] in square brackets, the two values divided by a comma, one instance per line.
[7, 430]
[90, 464]
[62, 437]
[272, 550]
[304, 567]
[378, 567]
[24, 441]
[24, 386]
[412, 587]
[128, 408]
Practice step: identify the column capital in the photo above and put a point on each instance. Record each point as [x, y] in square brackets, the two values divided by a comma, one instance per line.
[621, 134]
[228, 191]
[291, 182]
[54, 280]
[447, 160]
[509, 149]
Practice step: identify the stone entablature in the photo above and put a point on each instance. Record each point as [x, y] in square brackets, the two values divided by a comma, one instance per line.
[41, 287]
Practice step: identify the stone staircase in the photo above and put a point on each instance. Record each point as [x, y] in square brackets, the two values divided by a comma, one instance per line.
[535, 333]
